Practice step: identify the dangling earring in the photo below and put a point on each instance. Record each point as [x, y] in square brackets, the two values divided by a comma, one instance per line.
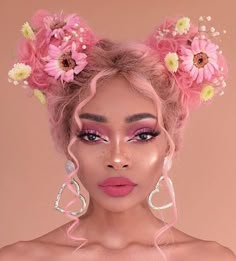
[167, 166]
[70, 167]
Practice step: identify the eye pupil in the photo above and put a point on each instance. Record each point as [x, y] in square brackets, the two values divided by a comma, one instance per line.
[91, 136]
[144, 135]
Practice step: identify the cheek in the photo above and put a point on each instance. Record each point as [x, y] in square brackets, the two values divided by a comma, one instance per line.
[88, 162]
[149, 159]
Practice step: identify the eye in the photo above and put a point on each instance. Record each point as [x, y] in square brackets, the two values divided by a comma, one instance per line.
[146, 135]
[89, 136]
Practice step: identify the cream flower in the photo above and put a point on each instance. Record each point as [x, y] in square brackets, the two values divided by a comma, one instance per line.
[27, 31]
[40, 96]
[182, 26]
[19, 72]
[207, 92]
[172, 62]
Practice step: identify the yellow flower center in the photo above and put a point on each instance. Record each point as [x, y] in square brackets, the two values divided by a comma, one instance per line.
[207, 92]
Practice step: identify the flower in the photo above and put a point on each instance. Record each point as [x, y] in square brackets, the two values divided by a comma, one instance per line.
[201, 60]
[65, 63]
[59, 26]
[27, 31]
[183, 25]
[172, 62]
[19, 72]
[166, 45]
[40, 96]
[207, 92]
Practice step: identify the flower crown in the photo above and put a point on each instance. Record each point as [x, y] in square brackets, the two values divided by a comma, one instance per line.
[55, 48]
[192, 57]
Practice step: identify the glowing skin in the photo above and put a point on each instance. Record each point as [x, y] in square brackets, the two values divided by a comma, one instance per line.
[119, 228]
[119, 151]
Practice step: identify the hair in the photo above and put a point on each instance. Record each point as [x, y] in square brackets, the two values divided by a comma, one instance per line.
[140, 65]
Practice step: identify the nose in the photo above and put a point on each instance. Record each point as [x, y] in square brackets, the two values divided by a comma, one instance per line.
[118, 158]
[118, 163]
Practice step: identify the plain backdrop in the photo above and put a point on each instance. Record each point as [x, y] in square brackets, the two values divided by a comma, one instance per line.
[32, 171]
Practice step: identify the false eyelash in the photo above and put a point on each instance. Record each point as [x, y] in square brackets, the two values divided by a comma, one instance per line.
[79, 133]
[153, 133]
[83, 133]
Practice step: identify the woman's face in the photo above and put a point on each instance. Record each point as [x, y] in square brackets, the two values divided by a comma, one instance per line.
[120, 141]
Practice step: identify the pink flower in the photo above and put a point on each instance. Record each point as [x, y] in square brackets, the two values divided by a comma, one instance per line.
[29, 53]
[65, 63]
[201, 60]
[38, 18]
[166, 45]
[58, 26]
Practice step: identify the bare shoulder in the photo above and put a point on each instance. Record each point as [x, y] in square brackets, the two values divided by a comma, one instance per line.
[216, 251]
[209, 251]
[23, 251]
[13, 251]
[188, 247]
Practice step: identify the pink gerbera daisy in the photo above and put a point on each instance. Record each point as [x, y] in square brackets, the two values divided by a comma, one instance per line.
[65, 63]
[60, 25]
[201, 60]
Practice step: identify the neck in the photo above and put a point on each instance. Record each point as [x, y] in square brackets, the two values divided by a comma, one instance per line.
[119, 229]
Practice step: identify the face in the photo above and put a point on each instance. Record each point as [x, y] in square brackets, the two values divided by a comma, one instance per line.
[120, 137]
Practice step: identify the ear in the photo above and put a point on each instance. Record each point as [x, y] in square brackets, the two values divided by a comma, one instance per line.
[167, 151]
[167, 163]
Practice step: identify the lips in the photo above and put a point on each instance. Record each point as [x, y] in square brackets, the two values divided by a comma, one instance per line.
[117, 181]
[117, 186]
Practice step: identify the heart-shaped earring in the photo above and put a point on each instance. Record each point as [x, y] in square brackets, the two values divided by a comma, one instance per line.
[157, 190]
[70, 167]
[167, 166]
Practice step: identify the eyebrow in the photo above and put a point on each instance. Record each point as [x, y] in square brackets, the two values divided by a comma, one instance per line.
[128, 119]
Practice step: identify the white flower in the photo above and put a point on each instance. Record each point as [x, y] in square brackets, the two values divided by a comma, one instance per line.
[172, 62]
[182, 26]
[27, 31]
[207, 92]
[19, 72]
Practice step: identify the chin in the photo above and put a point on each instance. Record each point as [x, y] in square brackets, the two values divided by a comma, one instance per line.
[116, 204]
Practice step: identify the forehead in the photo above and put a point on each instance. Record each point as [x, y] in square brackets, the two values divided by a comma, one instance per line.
[117, 98]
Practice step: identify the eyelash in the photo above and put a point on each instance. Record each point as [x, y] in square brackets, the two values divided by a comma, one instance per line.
[153, 133]
[86, 133]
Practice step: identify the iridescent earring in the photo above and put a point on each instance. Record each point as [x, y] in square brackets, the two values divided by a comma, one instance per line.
[70, 167]
[167, 166]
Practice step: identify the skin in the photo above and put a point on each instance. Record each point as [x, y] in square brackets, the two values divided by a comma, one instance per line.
[119, 228]
[120, 152]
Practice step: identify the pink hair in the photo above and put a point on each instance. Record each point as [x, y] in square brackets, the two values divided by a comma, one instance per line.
[141, 66]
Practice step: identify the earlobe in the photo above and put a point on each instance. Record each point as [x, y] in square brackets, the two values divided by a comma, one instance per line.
[69, 166]
[167, 163]
[167, 151]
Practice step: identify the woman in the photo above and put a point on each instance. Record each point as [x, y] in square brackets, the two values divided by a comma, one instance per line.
[117, 111]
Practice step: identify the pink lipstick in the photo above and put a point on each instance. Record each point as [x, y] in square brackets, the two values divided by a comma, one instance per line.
[117, 186]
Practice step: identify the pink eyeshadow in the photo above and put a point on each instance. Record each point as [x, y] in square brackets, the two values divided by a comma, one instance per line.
[91, 126]
[140, 125]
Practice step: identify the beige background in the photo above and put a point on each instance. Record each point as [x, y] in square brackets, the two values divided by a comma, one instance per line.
[32, 171]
